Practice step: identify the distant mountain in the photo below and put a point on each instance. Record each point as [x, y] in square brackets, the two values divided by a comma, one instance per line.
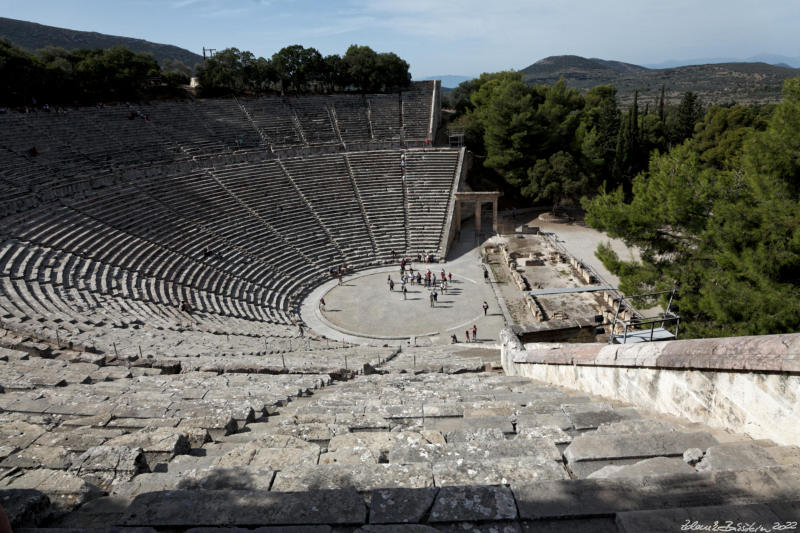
[772, 59]
[714, 83]
[33, 36]
[450, 81]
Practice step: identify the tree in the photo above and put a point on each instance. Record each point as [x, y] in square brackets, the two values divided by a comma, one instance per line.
[718, 216]
[391, 72]
[555, 179]
[295, 66]
[681, 125]
[333, 72]
[359, 66]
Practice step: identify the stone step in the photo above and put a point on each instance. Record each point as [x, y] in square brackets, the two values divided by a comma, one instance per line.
[591, 451]
[197, 508]
[578, 498]
[363, 477]
[783, 516]
[542, 450]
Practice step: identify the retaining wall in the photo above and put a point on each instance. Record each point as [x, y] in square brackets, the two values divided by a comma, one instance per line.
[747, 385]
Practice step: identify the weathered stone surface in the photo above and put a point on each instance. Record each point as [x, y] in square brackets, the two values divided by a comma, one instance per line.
[641, 425]
[379, 442]
[446, 425]
[184, 508]
[475, 434]
[311, 432]
[159, 444]
[354, 456]
[692, 456]
[53, 457]
[785, 455]
[596, 497]
[97, 513]
[595, 525]
[433, 436]
[592, 419]
[457, 504]
[360, 477]
[598, 447]
[397, 528]
[363, 422]
[555, 434]
[654, 466]
[278, 529]
[559, 420]
[540, 449]
[24, 507]
[217, 426]
[397, 506]
[133, 423]
[104, 465]
[736, 456]
[254, 454]
[65, 490]
[663, 521]
[500, 471]
[233, 478]
[19, 435]
[80, 439]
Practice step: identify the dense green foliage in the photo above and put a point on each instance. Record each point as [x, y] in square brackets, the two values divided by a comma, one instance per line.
[710, 197]
[718, 216]
[553, 143]
[55, 75]
[296, 69]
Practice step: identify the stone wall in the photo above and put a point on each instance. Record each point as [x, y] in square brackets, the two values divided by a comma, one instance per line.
[744, 384]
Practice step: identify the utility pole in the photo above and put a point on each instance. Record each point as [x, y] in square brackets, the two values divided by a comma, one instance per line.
[210, 52]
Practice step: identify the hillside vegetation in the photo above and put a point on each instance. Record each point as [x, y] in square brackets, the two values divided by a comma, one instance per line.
[32, 36]
[721, 83]
[711, 196]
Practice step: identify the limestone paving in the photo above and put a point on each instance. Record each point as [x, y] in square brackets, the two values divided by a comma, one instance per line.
[391, 448]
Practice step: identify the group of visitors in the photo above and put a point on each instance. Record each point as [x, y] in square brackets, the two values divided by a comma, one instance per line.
[454, 337]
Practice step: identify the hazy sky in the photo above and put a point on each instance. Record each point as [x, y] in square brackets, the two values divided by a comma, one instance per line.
[445, 37]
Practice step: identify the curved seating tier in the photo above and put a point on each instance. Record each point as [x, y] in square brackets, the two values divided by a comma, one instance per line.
[241, 242]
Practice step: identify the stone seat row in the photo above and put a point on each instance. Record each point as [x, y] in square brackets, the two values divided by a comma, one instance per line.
[418, 437]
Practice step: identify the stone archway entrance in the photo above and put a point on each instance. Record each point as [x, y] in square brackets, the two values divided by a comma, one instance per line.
[477, 198]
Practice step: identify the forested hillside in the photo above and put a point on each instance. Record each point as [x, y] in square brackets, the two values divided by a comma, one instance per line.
[720, 83]
[711, 196]
[32, 36]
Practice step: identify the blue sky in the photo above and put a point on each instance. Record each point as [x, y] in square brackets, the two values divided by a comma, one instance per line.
[453, 37]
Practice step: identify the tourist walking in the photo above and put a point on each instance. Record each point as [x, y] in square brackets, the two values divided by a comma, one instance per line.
[485, 275]
[466, 334]
[405, 292]
[474, 333]
[322, 303]
[391, 285]
[435, 295]
[485, 308]
[430, 297]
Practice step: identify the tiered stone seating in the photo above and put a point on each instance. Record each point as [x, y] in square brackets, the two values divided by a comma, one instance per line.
[417, 110]
[379, 180]
[468, 451]
[430, 185]
[106, 227]
[315, 120]
[385, 115]
[326, 184]
[352, 117]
